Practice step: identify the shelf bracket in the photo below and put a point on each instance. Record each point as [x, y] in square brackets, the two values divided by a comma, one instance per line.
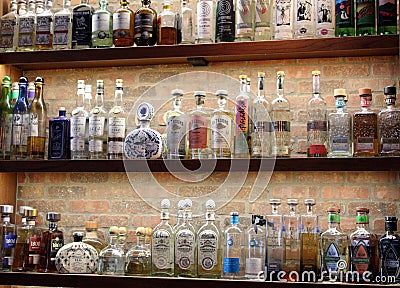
[197, 61]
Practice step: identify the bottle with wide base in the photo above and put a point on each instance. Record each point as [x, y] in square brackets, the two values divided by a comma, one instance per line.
[112, 258]
[389, 251]
[138, 258]
[91, 236]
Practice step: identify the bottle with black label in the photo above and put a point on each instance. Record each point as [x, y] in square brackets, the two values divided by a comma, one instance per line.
[225, 22]
[82, 25]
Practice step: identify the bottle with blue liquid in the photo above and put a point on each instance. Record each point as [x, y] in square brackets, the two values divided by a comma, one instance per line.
[234, 252]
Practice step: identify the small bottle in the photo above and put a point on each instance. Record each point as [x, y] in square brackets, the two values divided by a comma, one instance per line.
[244, 30]
[317, 135]
[77, 257]
[388, 125]
[225, 21]
[325, 18]
[112, 258]
[222, 127]
[167, 30]
[344, 16]
[179, 220]
[91, 236]
[234, 250]
[365, 130]
[27, 27]
[187, 30]
[31, 93]
[52, 241]
[8, 238]
[162, 245]
[116, 124]
[262, 20]
[59, 136]
[9, 27]
[102, 29]
[283, 19]
[334, 248]
[304, 22]
[123, 25]
[32, 244]
[389, 251]
[255, 252]
[387, 17]
[138, 258]
[340, 128]
[365, 17]
[82, 25]
[242, 120]
[145, 25]
[6, 116]
[44, 25]
[205, 21]
[63, 27]
[20, 254]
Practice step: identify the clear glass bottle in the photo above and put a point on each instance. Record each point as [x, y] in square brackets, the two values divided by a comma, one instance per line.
[123, 25]
[225, 21]
[32, 243]
[6, 118]
[63, 27]
[138, 258]
[187, 23]
[282, 14]
[98, 126]
[179, 219]
[340, 128]
[167, 30]
[365, 17]
[20, 254]
[91, 237]
[82, 25]
[344, 19]
[387, 17]
[176, 128]
[255, 252]
[222, 127]
[209, 252]
[263, 128]
[102, 26]
[44, 25]
[365, 128]
[325, 18]
[234, 254]
[389, 251]
[280, 116]
[388, 125]
[162, 245]
[9, 27]
[116, 124]
[334, 248]
[145, 25]
[304, 22]
[317, 132]
[242, 120]
[27, 26]
[111, 258]
[262, 20]
[8, 238]
[59, 136]
[244, 22]
[205, 21]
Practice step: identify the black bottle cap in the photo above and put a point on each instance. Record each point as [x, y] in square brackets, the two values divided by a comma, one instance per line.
[78, 236]
[39, 79]
[53, 216]
[390, 223]
[389, 90]
[23, 80]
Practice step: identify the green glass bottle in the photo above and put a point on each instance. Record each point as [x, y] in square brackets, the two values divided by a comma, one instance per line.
[344, 13]
[365, 17]
[386, 17]
[102, 26]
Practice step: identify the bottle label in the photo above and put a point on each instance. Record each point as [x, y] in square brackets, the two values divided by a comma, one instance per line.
[263, 126]
[78, 126]
[262, 16]
[391, 263]
[43, 25]
[361, 256]
[244, 17]
[365, 13]
[324, 14]
[231, 265]
[95, 145]
[144, 26]
[281, 126]
[184, 249]
[331, 258]
[161, 249]
[122, 21]
[10, 240]
[365, 144]
[205, 19]
[221, 131]
[56, 244]
[242, 116]
[317, 150]
[7, 33]
[34, 125]
[225, 19]
[340, 143]
[34, 243]
[82, 27]
[57, 145]
[20, 129]
[96, 126]
[116, 127]
[198, 132]
[115, 147]
[176, 130]
[344, 17]
[8, 131]
[283, 13]
[208, 245]
[101, 22]
[26, 25]
[390, 144]
[61, 30]
[316, 125]
[387, 13]
[253, 266]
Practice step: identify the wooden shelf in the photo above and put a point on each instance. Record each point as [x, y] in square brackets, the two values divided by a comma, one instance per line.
[219, 165]
[239, 51]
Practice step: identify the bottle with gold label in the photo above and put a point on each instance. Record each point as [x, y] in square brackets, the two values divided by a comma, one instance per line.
[32, 244]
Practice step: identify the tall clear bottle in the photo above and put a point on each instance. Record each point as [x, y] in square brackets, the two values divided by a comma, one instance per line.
[63, 27]
[387, 17]
[145, 25]
[304, 22]
[187, 18]
[6, 118]
[340, 128]
[234, 255]
[176, 128]
[344, 19]
[255, 250]
[280, 116]
[27, 26]
[389, 251]
[82, 25]
[91, 236]
[138, 258]
[244, 22]
[123, 25]
[44, 25]
[112, 258]
[205, 21]
[225, 21]
[9, 27]
[8, 238]
[167, 25]
[325, 18]
[32, 243]
[162, 245]
[262, 20]
[283, 19]
[116, 124]
[242, 132]
[102, 29]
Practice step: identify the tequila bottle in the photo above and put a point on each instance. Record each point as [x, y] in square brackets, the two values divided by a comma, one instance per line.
[98, 126]
[82, 25]
[387, 17]
[304, 22]
[275, 249]
[263, 128]
[27, 26]
[340, 141]
[9, 27]
[389, 251]
[179, 220]
[225, 21]
[111, 258]
[234, 250]
[167, 29]
[116, 124]
[388, 125]
[138, 258]
[176, 128]
[44, 25]
[244, 22]
[262, 20]
[63, 27]
[222, 127]
[6, 116]
[32, 244]
[209, 252]
[344, 18]
[365, 130]
[162, 245]
[102, 29]
[334, 248]
[122, 238]
[365, 17]
[292, 229]
[205, 21]
[317, 135]
[283, 19]
[324, 18]
[255, 252]
[242, 120]
[145, 25]
[20, 254]
[123, 25]
[91, 237]
[363, 249]
[8, 238]
[59, 136]
[280, 117]
[187, 23]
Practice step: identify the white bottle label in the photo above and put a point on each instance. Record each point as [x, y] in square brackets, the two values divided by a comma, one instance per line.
[78, 126]
[253, 266]
[244, 17]
[221, 131]
[161, 253]
[9, 119]
[20, 129]
[184, 249]
[116, 147]
[121, 20]
[205, 19]
[101, 22]
[95, 146]
[176, 129]
[340, 143]
[96, 126]
[34, 125]
[262, 16]
[116, 127]
[365, 143]
[208, 245]
[283, 13]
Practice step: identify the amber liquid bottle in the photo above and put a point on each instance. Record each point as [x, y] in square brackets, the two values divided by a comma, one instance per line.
[22, 238]
[145, 25]
[167, 30]
[32, 244]
[123, 25]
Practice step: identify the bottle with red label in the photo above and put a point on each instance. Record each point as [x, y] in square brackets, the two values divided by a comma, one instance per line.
[8, 238]
[242, 133]
[32, 244]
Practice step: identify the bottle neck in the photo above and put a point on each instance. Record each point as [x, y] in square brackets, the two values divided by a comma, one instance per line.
[333, 221]
[309, 210]
[31, 221]
[31, 6]
[177, 104]
[210, 216]
[113, 240]
[235, 220]
[80, 97]
[390, 101]
[164, 215]
[292, 209]
[140, 240]
[316, 86]
[221, 102]
[118, 96]
[279, 86]
[260, 90]
[243, 85]
[5, 93]
[23, 92]
[144, 124]
[53, 225]
[39, 92]
[91, 233]
[365, 102]
[6, 218]
[66, 4]
[103, 4]
[340, 103]
[99, 97]
[274, 209]
[199, 102]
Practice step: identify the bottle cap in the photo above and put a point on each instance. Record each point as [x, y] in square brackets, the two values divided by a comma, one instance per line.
[165, 204]
[292, 201]
[309, 202]
[6, 209]
[333, 209]
[181, 204]
[390, 90]
[22, 209]
[6, 80]
[261, 74]
[210, 204]
[362, 209]
[234, 214]
[275, 201]
[99, 84]
[53, 216]
[78, 236]
[339, 92]
[145, 112]
[188, 203]
[23, 80]
[91, 225]
[122, 231]
[364, 91]
[280, 73]
[316, 72]
[39, 79]
[242, 76]
[114, 230]
[221, 93]
[200, 93]
[390, 219]
[31, 213]
[177, 92]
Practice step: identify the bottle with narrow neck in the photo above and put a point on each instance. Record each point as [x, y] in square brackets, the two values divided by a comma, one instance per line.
[242, 120]
[187, 19]
[102, 29]
[33, 243]
[6, 116]
[14, 94]
[44, 25]
[123, 25]
[112, 258]
[304, 22]
[234, 255]
[179, 220]
[325, 18]
[282, 12]
[167, 30]
[63, 27]
[389, 251]
[116, 124]
[387, 21]
[20, 252]
[225, 21]
[9, 28]
[138, 258]
[244, 26]
[26, 33]
[176, 128]
[31, 93]
[262, 20]
[365, 17]
[8, 238]
[82, 25]
[92, 238]
[206, 21]
[255, 250]
[345, 18]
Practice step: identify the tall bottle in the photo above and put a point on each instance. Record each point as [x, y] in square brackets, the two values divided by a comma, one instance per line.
[388, 125]
[187, 18]
[325, 18]
[225, 21]
[167, 29]
[63, 27]
[82, 25]
[317, 135]
[344, 19]
[255, 250]
[242, 132]
[102, 29]
[262, 20]
[282, 14]
[340, 128]
[138, 258]
[112, 258]
[8, 238]
[365, 130]
[123, 25]
[162, 245]
[20, 253]
[6, 118]
[304, 22]
[59, 136]
[145, 25]
[32, 244]
[389, 251]
[244, 22]
[205, 21]
[9, 27]
[44, 25]
[209, 252]
[387, 17]
[27, 26]
[91, 236]
[365, 17]
[176, 128]
[234, 250]
[116, 124]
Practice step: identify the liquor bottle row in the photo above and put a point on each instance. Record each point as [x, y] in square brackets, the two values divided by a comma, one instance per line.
[31, 25]
[275, 247]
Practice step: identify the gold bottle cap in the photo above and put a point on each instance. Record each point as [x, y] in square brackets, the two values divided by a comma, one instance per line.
[31, 212]
[316, 72]
[365, 91]
[242, 76]
[91, 225]
[261, 74]
[280, 73]
[340, 92]
[362, 209]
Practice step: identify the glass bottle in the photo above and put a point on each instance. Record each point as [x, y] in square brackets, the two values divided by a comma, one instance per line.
[225, 21]
[37, 124]
[122, 238]
[82, 25]
[242, 120]
[234, 250]
[52, 241]
[91, 236]
[255, 252]
[325, 18]
[317, 135]
[8, 238]
[389, 251]
[334, 248]
[167, 25]
[244, 23]
[209, 252]
[364, 263]
[187, 23]
[280, 116]
[98, 126]
[145, 25]
[116, 124]
[387, 17]
[9, 27]
[6, 117]
[102, 29]
[283, 19]
[262, 20]
[123, 25]
[179, 220]
[388, 125]
[222, 127]
[27, 26]
[205, 21]
[162, 245]
[365, 17]
[21, 252]
[59, 136]
[365, 130]
[44, 25]
[304, 22]
[176, 128]
[111, 258]
[63, 27]
[344, 16]
[340, 128]
[32, 244]
[138, 258]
